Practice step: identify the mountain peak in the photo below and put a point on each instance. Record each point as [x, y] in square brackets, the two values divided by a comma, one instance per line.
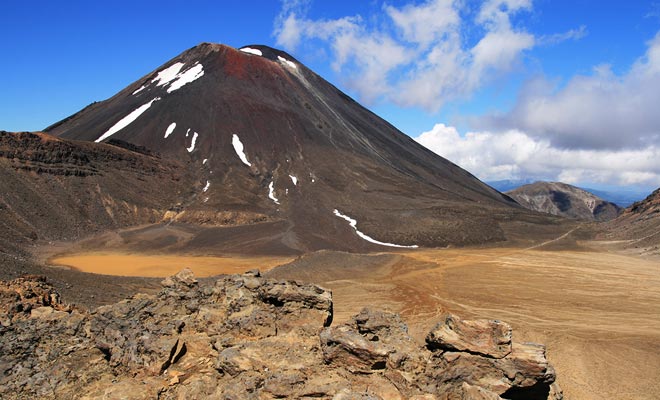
[270, 140]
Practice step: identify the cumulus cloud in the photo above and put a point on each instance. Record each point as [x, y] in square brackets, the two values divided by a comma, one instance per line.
[513, 154]
[417, 54]
[426, 23]
[599, 111]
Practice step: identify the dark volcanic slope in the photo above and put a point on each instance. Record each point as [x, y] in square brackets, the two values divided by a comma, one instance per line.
[564, 200]
[52, 188]
[304, 143]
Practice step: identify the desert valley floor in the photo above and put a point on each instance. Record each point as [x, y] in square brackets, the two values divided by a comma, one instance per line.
[594, 306]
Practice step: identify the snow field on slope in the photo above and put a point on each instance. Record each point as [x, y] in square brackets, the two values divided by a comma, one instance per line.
[250, 50]
[127, 120]
[271, 193]
[353, 224]
[192, 145]
[287, 62]
[170, 129]
[238, 148]
[186, 77]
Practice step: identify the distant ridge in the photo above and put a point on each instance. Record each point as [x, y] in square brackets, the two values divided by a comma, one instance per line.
[622, 197]
[639, 224]
[564, 200]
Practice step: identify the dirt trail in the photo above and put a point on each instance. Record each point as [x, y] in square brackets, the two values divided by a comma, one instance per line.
[555, 240]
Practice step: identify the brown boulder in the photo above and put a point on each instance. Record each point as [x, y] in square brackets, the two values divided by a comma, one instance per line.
[345, 347]
[489, 338]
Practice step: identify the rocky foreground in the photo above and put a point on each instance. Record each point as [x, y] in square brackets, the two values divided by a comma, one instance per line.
[247, 337]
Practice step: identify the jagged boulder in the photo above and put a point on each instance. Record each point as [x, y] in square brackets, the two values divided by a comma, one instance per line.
[345, 347]
[245, 336]
[481, 353]
[19, 297]
[489, 338]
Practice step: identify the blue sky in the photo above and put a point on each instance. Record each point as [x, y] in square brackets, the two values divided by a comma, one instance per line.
[557, 90]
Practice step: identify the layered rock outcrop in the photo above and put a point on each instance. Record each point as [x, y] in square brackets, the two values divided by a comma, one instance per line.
[55, 189]
[247, 337]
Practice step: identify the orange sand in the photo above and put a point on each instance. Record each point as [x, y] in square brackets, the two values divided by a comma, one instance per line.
[122, 264]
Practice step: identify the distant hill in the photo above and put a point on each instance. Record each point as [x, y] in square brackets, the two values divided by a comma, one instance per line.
[622, 197]
[564, 200]
[639, 223]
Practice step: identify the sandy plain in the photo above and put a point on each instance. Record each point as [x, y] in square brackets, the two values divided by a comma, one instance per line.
[598, 312]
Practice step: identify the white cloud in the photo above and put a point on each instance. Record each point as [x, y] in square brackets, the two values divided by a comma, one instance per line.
[427, 23]
[515, 155]
[289, 32]
[495, 13]
[497, 51]
[415, 55]
[599, 111]
[572, 34]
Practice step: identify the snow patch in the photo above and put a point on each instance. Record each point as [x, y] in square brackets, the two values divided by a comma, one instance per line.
[294, 180]
[271, 193]
[124, 122]
[353, 224]
[174, 75]
[192, 144]
[168, 74]
[287, 62]
[185, 78]
[250, 50]
[170, 129]
[207, 186]
[238, 148]
[140, 89]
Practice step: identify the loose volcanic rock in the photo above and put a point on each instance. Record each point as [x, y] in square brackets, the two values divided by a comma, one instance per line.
[18, 298]
[249, 337]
